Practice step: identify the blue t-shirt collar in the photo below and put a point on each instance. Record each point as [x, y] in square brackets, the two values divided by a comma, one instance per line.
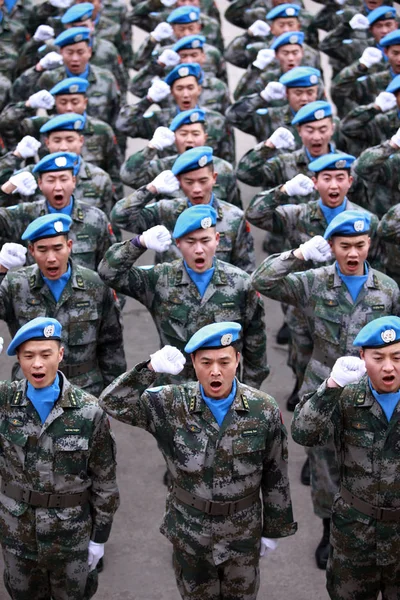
[201, 280]
[43, 399]
[67, 210]
[219, 408]
[84, 75]
[56, 286]
[331, 213]
[388, 402]
[354, 283]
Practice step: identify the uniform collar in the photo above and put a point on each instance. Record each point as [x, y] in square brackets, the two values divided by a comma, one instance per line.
[182, 277]
[334, 280]
[240, 403]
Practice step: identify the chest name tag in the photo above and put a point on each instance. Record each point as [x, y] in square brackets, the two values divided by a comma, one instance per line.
[249, 432]
[82, 304]
[378, 307]
[72, 430]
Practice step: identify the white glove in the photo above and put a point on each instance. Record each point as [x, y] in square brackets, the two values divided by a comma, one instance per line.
[316, 249]
[157, 238]
[371, 56]
[340, 2]
[169, 58]
[267, 546]
[359, 21]
[158, 90]
[264, 58]
[1, 344]
[163, 31]
[273, 91]
[168, 3]
[61, 3]
[52, 60]
[162, 138]
[348, 369]
[12, 256]
[42, 99]
[24, 182]
[95, 553]
[259, 28]
[43, 33]
[168, 360]
[282, 139]
[300, 185]
[166, 183]
[386, 101]
[28, 146]
[395, 139]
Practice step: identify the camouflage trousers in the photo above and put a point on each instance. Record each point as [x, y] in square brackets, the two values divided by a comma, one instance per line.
[325, 478]
[198, 578]
[301, 344]
[26, 579]
[348, 580]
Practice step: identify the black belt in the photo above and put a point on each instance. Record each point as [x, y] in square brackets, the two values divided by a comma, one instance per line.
[75, 370]
[376, 512]
[42, 499]
[215, 509]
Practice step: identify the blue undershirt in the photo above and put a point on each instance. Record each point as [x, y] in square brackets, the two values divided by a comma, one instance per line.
[388, 402]
[67, 210]
[9, 4]
[331, 213]
[56, 286]
[43, 399]
[201, 280]
[354, 283]
[85, 73]
[219, 408]
[211, 202]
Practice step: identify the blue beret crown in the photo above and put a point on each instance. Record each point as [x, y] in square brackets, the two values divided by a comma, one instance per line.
[45, 226]
[379, 333]
[70, 85]
[184, 14]
[313, 111]
[348, 223]
[200, 216]
[41, 328]
[216, 335]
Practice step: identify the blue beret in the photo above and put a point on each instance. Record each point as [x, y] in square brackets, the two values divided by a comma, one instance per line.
[200, 216]
[187, 117]
[47, 226]
[332, 162]
[73, 36]
[381, 14]
[185, 70]
[348, 223]
[300, 77]
[65, 122]
[189, 42]
[41, 328]
[71, 85]
[290, 37]
[283, 10]
[394, 85]
[379, 333]
[216, 335]
[184, 14]
[58, 161]
[78, 12]
[313, 111]
[193, 159]
[391, 39]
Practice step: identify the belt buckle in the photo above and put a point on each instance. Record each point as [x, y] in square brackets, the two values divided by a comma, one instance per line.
[208, 507]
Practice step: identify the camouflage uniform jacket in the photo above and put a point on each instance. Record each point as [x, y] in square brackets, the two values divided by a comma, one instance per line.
[12, 38]
[22, 13]
[178, 310]
[137, 121]
[389, 236]
[243, 13]
[143, 166]
[215, 463]
[367, 126]
[149, 13]
[90, 231]
[141, 211]
[333, 318]
[88, 312]
[367, 453]
[72, 451]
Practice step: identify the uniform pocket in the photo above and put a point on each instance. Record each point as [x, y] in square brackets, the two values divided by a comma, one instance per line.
[71, 454]
[248, 454]
[82, 328]
[328, 323]
[358, 450]
[12, 444]
[190, 449]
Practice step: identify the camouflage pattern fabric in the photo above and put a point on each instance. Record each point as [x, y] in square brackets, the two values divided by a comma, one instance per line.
[389, 236]
[367, 126]
[148, 13]
[243, 13]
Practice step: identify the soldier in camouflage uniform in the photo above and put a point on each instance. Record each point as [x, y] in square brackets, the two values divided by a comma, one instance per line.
[187, 130]
[59, 491]
[336, 300]
[359, 400]
[12, 38]
[193, 171]
[244, 13]
[148, 13]
[221, 457]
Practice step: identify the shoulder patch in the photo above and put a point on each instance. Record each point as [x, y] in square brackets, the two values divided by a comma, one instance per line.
[262, 111]
[156, 389]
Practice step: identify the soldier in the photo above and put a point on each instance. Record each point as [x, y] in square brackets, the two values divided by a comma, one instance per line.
[12, 38]
[148, 13]
[335, 299]
[244, 13]
[359, 400]
[91, 232]
[87, 309]
[58, 491]
[193, 171]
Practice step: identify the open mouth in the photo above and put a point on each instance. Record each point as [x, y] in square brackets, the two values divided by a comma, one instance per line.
[352, 265]
[189, 147]
[58, 197]
[199, 262]
[38, 376]
[316, 149]
[186, 104]
[52, 271]
[216, 385]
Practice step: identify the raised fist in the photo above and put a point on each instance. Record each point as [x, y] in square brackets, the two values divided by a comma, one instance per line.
[28, 147]
[24, 183]
[163, 31]
[348, 369]
[52, 60]
[42, 99]
[157, 238]
[259, 29]
[162, 138]
[316, 249]
[264, 58]
[300, 185]
[283, 139]
[165, 183]
[158, 90]
[12, 256]
[168, 360]
[371, 56]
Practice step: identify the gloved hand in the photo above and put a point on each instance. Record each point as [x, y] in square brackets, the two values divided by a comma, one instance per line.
[42, 99]
[157, 238]
[282, 138]
[264, 58]
[395, 139]
[158, 90]
[348, 369]
[162, 138]
[28, 146]
[371, 56]
[95, 553]
[61, 3]
[300, 185]
[52, 60]
[316, 249]
[359, 21]
[163, 31]
[385, 101]
[12, 256]
[24, 182]
[259, 28]
[166, 183]
[267, 546]
[43, 33]
[273, 91]
[168, 3]
[168, 360]
[169, 58]
[1, 344]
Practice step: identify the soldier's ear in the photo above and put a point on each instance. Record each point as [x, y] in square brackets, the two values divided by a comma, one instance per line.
[362, 354]
[30, 248]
